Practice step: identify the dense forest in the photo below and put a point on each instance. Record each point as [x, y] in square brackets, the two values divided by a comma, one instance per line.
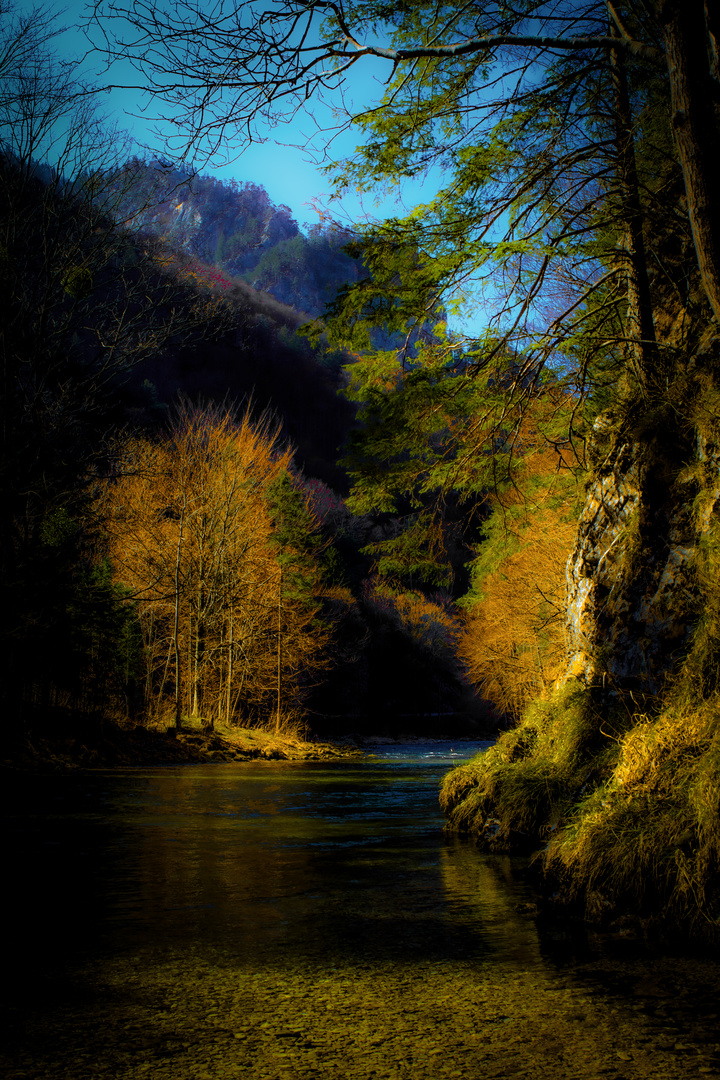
[176, 541]
[251, 476]
[173, 546]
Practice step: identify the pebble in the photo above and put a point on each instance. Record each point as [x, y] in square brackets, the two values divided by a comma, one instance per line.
[205, 1017]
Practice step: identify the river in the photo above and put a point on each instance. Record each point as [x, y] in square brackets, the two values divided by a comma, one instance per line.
[295, 919]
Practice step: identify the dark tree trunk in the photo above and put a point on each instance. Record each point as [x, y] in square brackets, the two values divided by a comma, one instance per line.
[690, 59]
[176, 625]
[633, 598]
[640, 325]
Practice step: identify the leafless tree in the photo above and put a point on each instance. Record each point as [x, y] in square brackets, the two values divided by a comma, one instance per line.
[226, 68]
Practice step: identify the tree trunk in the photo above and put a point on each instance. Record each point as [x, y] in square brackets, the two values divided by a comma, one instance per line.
[176, 627]
[632, 585]
[279, 653]
[228, 701]
[689, 58]
[640, 325]
[633, 599]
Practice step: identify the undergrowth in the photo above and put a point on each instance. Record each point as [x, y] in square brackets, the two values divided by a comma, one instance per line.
[622, 821]
[517, 792]
[647, 838]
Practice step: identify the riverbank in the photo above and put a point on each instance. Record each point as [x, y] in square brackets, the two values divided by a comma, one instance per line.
[621, 809]
[124, 745]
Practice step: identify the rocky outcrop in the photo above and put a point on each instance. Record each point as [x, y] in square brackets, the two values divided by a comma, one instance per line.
[236, 227]
[632, 574]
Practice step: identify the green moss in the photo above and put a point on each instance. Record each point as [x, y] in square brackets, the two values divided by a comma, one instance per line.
[628, 808]
[630, 820]
[525, 784]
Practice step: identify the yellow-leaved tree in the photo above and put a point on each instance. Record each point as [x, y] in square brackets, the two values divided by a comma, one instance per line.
[514, 642]
[190, 534]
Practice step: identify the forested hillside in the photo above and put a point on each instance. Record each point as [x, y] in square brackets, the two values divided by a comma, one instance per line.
[235, 227]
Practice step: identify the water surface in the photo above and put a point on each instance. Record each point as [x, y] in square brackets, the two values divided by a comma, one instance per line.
[309, 919]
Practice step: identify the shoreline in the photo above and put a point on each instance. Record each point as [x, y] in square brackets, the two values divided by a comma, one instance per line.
[112, 745]
[125, 746]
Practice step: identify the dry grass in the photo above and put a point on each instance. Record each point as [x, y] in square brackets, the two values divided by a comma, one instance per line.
[291, 724]
[522, 786]
[649, 836]
[629, 821]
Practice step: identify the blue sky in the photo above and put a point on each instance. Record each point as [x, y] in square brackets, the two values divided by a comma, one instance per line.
[290, 175]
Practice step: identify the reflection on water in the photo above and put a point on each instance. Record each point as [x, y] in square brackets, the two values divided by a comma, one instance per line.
[306, 918]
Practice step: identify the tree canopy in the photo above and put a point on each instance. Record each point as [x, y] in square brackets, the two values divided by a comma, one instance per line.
[569, 150]
[483, 90]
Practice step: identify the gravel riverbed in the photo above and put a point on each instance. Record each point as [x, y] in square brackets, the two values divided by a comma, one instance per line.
[194, 1017]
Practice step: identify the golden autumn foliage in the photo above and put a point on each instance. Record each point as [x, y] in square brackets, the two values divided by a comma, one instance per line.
[429, 621]
[191, 535]
[514, 642]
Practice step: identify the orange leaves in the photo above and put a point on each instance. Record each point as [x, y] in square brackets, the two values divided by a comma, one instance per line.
[431, 621]
[514, 642]
[191, 534]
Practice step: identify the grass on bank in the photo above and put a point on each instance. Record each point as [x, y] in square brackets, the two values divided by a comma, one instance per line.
[624, 822]
[64, 742]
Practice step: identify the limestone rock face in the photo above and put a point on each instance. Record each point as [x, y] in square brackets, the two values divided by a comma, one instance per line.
[632, 594]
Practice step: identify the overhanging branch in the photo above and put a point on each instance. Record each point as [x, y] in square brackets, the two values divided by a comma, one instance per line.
[492, 41]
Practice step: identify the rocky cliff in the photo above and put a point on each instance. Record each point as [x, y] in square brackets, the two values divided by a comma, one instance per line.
[236, 227]
[629, 564]
[614, 779]
[634, 589]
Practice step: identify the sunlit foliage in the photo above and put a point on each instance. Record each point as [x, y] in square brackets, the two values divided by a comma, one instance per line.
[191, 533]
[514, 642]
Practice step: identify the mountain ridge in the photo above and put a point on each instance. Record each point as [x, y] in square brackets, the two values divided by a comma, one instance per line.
[235, 226]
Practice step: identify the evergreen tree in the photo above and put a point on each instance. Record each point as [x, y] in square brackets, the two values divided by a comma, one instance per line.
[296, 537]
